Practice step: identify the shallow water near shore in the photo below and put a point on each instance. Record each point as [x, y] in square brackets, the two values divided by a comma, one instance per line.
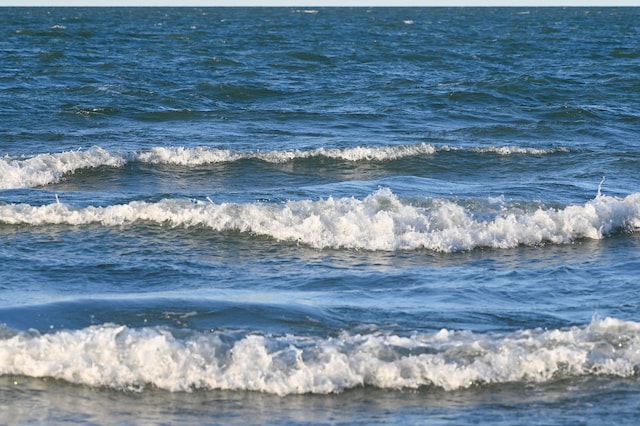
[334, 216]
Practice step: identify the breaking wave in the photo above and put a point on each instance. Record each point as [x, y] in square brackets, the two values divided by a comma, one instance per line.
[380, 221]
[45, 169]
[125, 358]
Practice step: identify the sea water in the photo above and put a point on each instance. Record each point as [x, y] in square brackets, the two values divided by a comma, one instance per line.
[337, 216]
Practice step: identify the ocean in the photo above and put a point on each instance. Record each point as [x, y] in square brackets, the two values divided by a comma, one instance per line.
[320, 216]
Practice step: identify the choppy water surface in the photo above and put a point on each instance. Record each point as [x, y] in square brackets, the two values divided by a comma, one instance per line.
[319, 215]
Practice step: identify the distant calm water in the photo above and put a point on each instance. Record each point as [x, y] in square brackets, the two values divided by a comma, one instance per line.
[338, 216]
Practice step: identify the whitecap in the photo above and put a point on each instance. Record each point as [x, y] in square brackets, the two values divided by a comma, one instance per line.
[49, 168]
[45, 169]
[119, 357]
[379, 222]
[204, 155]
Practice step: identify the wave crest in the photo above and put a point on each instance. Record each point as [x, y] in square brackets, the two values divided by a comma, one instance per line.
[203, 155]
[381, 221]
[125, 358]
[45, 169]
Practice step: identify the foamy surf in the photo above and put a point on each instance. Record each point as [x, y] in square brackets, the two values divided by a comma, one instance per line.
[203, 155]
[124, 358]
[46, 169]
[380, 221]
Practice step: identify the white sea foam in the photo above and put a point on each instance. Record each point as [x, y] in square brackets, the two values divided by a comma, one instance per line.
[518, 150]
[381, 221]
[506, 150]
[44, 169]
[125, 358]
[203, 155]
[188, 156]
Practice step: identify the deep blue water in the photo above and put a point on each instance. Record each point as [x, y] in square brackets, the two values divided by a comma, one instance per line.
[337, 216]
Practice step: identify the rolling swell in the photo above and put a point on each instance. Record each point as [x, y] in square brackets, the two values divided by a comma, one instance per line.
[45, 169]
[381, 221]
